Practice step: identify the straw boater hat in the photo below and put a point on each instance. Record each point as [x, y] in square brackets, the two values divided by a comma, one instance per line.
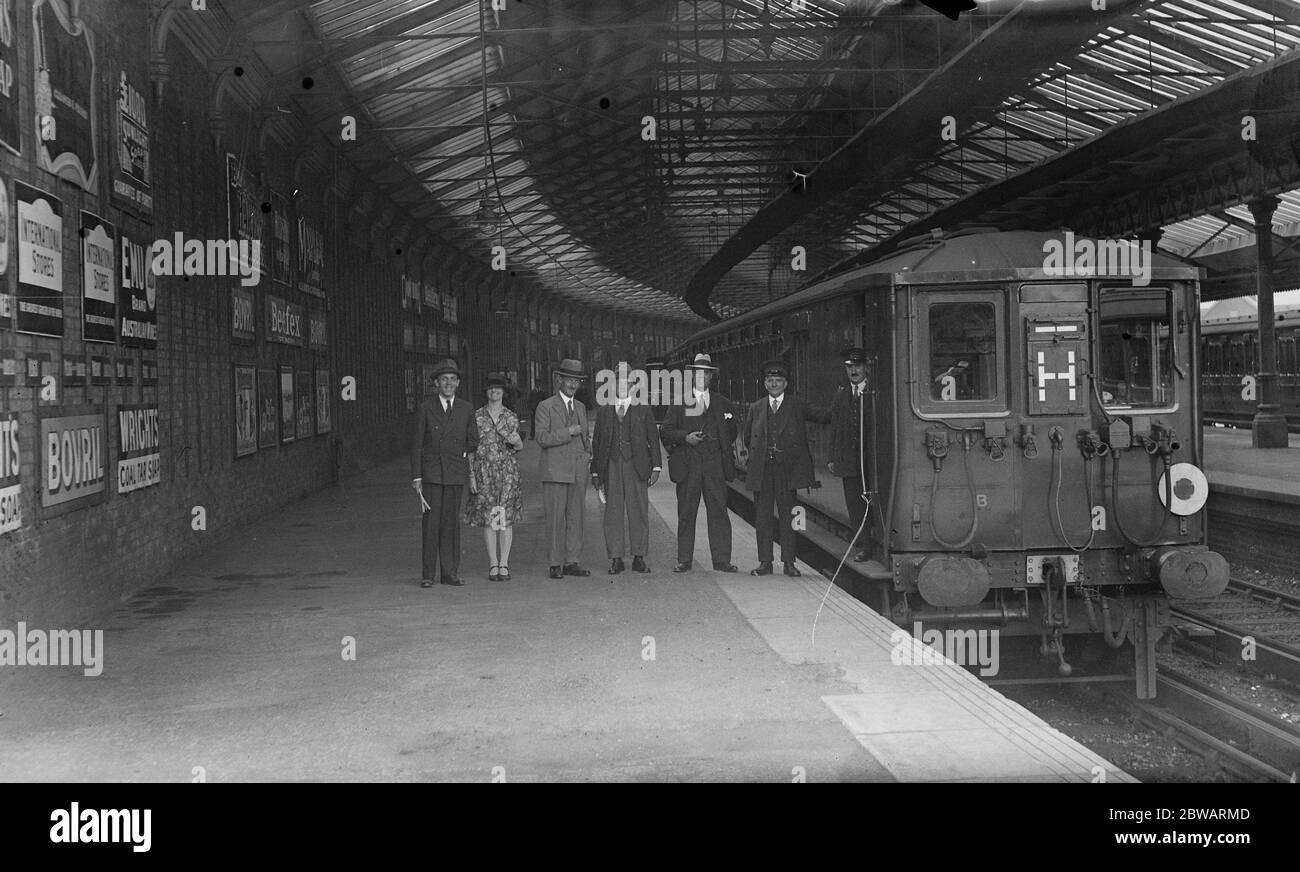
[446, 366]
[570, 367]
[703, 362]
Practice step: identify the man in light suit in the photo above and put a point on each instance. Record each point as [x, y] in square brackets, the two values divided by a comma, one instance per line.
[701, 463]
[561, 428]
[625, 461]
[445, 436]
[780, 462]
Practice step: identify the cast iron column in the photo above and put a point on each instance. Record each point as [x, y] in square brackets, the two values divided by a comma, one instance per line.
[1268, 429]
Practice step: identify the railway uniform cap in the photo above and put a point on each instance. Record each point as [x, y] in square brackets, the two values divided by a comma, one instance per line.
[703, 362]
[775, 367]
[853, 355]
[446, 366]
[571, 368]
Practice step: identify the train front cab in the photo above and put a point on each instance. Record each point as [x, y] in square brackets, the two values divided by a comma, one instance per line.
[1047, 473]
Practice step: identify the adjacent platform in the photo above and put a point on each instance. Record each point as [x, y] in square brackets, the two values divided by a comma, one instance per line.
[232, 668]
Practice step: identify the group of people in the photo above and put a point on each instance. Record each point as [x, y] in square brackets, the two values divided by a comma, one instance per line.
[457, 447]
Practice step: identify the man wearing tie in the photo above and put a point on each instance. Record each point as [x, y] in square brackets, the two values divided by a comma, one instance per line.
[625, 461]
[780, 463]
[561, 428]
[445, 435]
[847, 452]
[701, 463]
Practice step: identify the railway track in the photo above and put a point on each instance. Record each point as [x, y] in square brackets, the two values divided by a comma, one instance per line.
[1255, 626]
[1239, 738]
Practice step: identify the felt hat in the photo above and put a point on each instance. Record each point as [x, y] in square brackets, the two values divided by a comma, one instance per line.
[446, 366]
[571, 368]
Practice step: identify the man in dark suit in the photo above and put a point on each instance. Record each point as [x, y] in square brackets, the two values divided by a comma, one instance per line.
[780, 462]
[445, 436]
[701, 463]
[848, 452]
[625, 462]
[561, 428]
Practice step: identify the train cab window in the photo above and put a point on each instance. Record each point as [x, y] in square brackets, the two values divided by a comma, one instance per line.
[1136, 355]
[960, 366]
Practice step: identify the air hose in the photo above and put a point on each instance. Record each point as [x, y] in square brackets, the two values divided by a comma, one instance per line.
[970, 487]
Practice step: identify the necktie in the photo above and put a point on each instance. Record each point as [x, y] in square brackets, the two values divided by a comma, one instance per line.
[622, 410]
[776, 404]
[446, 405]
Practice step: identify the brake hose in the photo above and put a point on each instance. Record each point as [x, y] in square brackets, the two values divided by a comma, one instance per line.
[970, 487]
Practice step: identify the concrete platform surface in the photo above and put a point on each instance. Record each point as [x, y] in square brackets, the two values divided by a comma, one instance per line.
[1231, 461]
[233, 669]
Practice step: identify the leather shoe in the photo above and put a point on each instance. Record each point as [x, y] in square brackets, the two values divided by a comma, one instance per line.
[453, 581]
[638, 565]
[764, 568]
[616, 566]
[575, 569]
[682, 567]
[789, 569]
[725, 567]
[557, 572]
[426, 582]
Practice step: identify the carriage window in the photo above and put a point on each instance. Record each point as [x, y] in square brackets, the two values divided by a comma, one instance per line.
[1286, 356]
[1136, 355]
[963, 351]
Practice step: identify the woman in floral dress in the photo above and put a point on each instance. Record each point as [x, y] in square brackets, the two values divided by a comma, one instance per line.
[495, 501]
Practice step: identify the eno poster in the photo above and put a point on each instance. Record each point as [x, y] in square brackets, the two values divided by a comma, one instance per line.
[288, 421]
[131, 186]
[11, 464]
[245, 410]
[6, 231]
[268, 409]
[65, 88]
[98, 287]
[72, 458]
[311, 258]
[137, 305]
[10, 129]
[322, 401]
[40, 262]
[138, 453]
[306, 418]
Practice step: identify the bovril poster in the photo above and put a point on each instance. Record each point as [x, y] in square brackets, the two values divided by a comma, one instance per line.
[72, 458]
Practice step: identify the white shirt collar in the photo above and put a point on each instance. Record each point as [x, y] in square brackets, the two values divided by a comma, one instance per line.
[702, 393]
[777, 399]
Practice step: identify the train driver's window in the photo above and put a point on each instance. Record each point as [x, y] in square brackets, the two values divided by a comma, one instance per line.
[963, 351]
[1136, 358]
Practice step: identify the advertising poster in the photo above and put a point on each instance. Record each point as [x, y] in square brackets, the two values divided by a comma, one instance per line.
[39, 307]
[6, 231]
[323, 401]
[288, 421]
[10, 129]
[137, 300]
[306, 399]
[72, 458]
[430, 295]
[279, 238]
[131, 187]
[245, 410]
[138, 458]
[65, 86]
[11, 464]
[268, 409]
[244, 217]
[242, 328]
[98, 289]
[284, 321]
[311, 258]
[317, 340]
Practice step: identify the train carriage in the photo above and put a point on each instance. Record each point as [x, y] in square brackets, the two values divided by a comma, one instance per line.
[1230, 363]
[1033, 441]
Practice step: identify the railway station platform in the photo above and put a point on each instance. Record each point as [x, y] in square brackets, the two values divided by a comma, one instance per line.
[1231, 462]
[232, 668]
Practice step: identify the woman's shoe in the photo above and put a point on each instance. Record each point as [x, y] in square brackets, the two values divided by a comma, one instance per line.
[505, 574]
[494, 575]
